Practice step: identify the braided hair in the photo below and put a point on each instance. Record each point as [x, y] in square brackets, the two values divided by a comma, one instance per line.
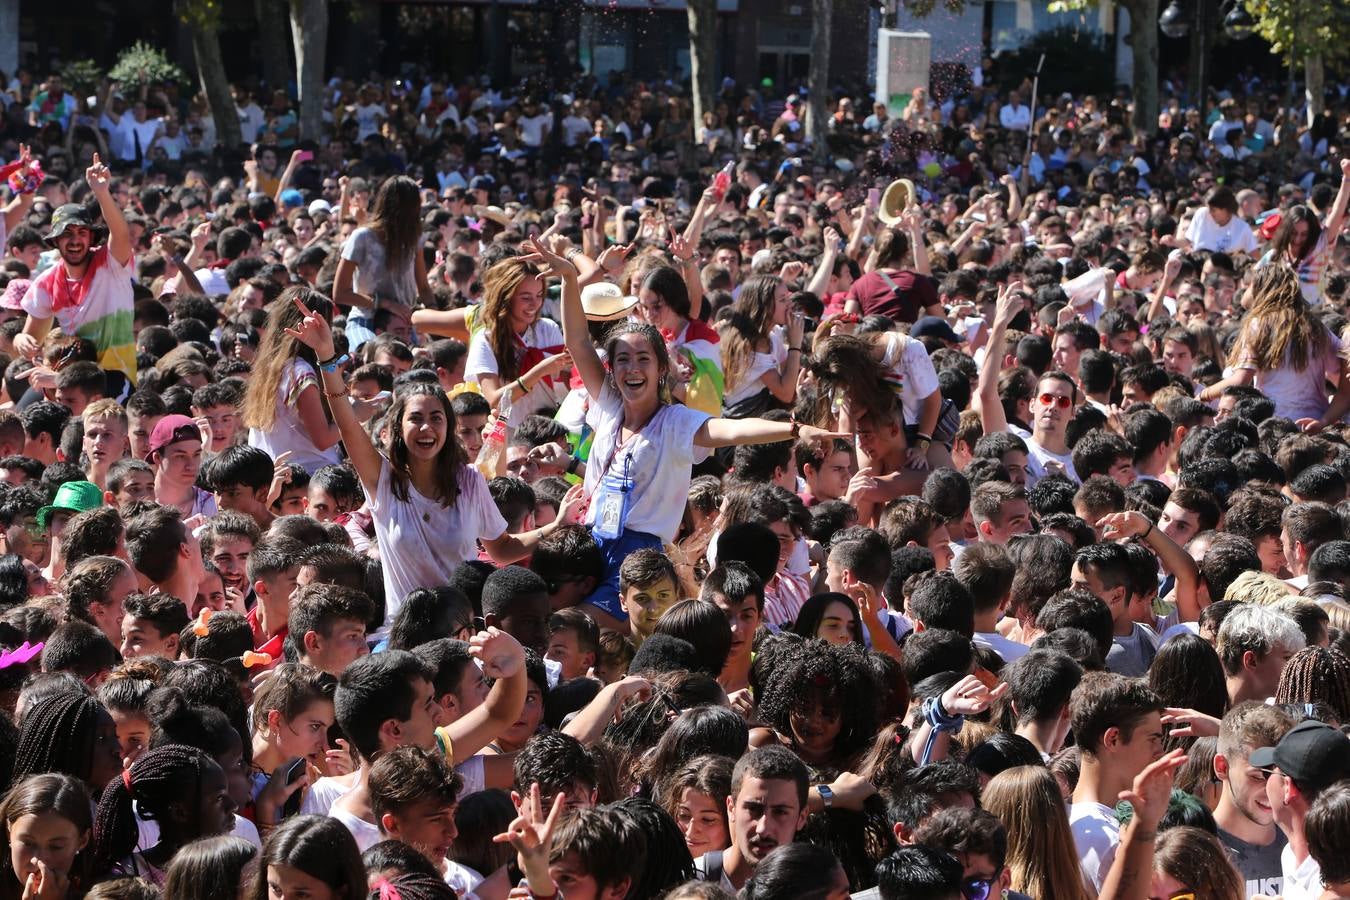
[412, 886]
[1317, 675]
[58, 735]
[158, 778]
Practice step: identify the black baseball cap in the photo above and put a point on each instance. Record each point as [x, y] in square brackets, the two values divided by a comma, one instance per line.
[1312, 753]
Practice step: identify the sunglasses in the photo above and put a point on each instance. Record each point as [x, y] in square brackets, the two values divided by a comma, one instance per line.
[978, 888]
[1055, 400]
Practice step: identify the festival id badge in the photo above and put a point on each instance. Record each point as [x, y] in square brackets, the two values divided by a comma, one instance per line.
[611, 506]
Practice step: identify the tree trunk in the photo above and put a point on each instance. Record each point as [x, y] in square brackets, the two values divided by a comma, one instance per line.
[702, 18]
[215, 85]
[276, 56]
[817, 112]
[309, 31]
[1314, 85]
[1144, 44]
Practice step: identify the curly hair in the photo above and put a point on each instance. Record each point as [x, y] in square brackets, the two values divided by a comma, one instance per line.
[837, 677]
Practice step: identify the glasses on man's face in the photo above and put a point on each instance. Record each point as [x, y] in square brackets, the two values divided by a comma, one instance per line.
[977, 888]
[1056, 400]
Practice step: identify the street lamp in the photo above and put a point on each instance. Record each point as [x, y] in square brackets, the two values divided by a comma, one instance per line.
[1238, 23]
[1174, 22]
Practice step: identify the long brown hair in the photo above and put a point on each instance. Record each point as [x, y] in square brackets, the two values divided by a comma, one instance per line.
[1195, 858]
[1279, 322]
[499, 286]
[750, 322]
[275, 352]
[396, 221]
[1027, 801]
[55, 793]
[449, 461]
[843, 365]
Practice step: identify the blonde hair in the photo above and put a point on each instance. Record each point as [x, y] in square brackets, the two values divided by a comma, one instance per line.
[105, 409]
[1026, 799]
[1279, 324]
[1260, 588]
[277, 349]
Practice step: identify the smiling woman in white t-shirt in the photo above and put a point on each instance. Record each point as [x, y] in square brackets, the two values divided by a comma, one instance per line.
[645, 446]
[517, 354]
[430, 508]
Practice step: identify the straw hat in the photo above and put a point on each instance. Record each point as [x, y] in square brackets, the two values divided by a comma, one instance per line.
[898, 197]
[604, 302]
[495, 214]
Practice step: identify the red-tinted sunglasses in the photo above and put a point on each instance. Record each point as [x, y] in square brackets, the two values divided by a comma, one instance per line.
[1056, 400]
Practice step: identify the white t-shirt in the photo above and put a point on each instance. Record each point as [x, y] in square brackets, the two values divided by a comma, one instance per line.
[1300, 393]
[1096, 835]
[909, 362]
[421, 541]
[366, 834]
[575, 128]
[482, 361]
[532, 128]
[1015, 118]
[251, 121]
[148, 830]
[1302, 881]
[368, 119]
[749, 384]
[1009, 650]
[658, 460]
[322, 794]
[287, 434]
[1206, 234]
[1037, 456]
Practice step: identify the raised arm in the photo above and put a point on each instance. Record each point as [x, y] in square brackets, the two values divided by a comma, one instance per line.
[1175, 559]
[1171, 269]
[576, 334]
[1336, 219]
[986, 399]
[451, 323]
[820, 279]
[913, 223]
[314, 333]
[119, 236]
[18, 208]
[287, 174]
[504, 661]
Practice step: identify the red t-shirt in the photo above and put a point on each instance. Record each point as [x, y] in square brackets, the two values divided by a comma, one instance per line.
[903, 303]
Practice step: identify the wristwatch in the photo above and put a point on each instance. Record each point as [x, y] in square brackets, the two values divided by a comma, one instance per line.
[826, 795]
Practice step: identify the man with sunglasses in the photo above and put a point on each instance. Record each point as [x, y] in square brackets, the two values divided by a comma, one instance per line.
[1310, 758]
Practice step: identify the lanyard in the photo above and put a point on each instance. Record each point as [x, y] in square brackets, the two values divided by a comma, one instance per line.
[622, 442]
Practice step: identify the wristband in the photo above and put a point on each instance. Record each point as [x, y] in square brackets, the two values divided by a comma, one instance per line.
[924, 437]
[331, 365]
[521, 385]
[796, 428]
[572, 466]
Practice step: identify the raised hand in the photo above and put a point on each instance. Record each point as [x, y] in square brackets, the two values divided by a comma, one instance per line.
[500, 654]
[313, 332]
[614, 256]
[970, 696]
[531, 834]
[1189, 723]
[1009, 304]
[98, 176]
[1152, 789]
[679, 247]
[546, 259]
[281, 476]
[1123, 525]
[570, 507]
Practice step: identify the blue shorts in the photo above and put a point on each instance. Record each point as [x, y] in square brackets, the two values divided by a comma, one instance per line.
[615, 551]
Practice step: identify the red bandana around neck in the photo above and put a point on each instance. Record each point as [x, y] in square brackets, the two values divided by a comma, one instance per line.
[67, 294]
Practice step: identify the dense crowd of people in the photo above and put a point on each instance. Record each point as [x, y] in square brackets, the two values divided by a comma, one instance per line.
[534, 492]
